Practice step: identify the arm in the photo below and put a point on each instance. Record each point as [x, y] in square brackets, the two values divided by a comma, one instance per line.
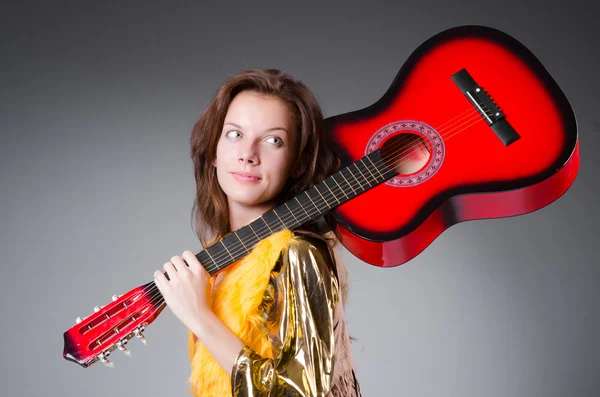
[302, 322]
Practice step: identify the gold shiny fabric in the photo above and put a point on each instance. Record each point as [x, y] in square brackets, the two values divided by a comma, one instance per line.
[299, 305]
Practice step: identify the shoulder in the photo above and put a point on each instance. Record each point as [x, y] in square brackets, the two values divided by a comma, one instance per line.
[310, 249]
[305, 240]
[309, 237]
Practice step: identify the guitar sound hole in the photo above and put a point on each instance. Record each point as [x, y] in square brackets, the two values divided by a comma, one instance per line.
[406, 153]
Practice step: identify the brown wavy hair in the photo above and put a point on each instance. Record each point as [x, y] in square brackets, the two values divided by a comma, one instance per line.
[316, 158]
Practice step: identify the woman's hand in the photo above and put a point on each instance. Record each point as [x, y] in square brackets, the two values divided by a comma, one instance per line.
[187, 290]
[187, 293]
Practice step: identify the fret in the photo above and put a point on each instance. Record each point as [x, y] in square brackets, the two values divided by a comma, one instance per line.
[247, 235]
[328, 188]
[231, 256]
[251, 228]
[324, 199]
[362, 168]
[278, 217]
[311, 200]
[233, 249]
[354, 175]
[307, 202]
[341, 172]
[301, 206]
[379, 172]
[207, 262]
[241, 241]
[218, 255]
[273, 222]
[298, 211]
[265, 222]
[336, 182]
[322, 204]
[211, 258]
[258, 228]
[374, 181]
[361, 173]
[292, 212]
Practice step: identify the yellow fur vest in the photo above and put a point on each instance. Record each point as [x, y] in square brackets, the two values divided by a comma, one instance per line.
[236, 302]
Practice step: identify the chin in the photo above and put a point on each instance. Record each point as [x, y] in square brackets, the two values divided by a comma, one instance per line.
[248, 200]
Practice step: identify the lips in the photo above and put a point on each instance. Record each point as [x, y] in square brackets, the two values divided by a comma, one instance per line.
[245, 177]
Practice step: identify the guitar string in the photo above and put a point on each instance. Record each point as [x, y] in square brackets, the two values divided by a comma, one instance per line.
[154, 292]
[365, 179]
[326, 196]
[236, 248]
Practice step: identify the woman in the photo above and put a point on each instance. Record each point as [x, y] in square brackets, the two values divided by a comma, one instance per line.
[272, 323]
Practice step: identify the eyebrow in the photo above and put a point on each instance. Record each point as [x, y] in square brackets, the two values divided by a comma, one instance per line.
[270, 129]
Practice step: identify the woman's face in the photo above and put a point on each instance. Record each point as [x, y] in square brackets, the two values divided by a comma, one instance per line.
[256, 150]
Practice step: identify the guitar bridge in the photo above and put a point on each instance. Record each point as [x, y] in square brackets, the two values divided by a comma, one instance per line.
[486, 106]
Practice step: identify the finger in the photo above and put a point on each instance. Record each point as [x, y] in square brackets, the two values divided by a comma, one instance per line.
[160, 280]
[170, 269]
[179, 264]
[192, 261]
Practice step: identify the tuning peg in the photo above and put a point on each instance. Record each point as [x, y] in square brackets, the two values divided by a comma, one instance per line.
[138, 333]
[103, 357]
[97, 308]
[114, 298]
[143, 339]
[78, 320]
[121, 346]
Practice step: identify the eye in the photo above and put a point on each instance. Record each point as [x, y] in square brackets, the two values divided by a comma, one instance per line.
[275, 140]
[233, 134]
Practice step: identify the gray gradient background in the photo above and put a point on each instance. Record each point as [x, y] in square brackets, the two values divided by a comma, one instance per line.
[97, 103]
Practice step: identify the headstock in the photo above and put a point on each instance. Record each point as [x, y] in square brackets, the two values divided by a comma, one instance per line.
[112, 326]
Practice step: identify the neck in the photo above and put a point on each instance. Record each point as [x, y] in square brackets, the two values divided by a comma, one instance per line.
[241, 215]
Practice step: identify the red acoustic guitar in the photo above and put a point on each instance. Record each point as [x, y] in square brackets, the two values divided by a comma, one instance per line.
[472, 127]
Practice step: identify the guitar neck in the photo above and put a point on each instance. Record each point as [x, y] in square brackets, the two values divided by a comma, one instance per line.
[307, 206]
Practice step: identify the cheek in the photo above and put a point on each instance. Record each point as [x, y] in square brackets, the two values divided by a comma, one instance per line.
[282, 170]
[219, 163]
[221, 155]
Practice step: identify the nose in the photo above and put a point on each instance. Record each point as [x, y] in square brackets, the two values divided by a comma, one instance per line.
[248, 154]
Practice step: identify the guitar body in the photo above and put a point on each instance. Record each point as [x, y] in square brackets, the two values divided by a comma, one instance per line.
[469, 172]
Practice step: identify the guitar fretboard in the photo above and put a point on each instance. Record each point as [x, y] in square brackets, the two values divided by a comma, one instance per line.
[309, 205]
